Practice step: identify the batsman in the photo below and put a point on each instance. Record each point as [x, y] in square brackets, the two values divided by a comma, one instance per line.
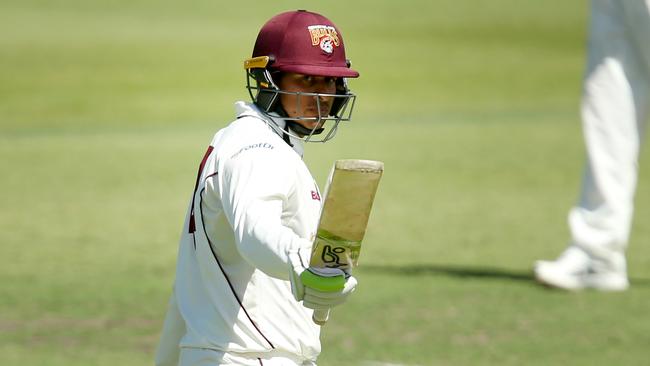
[245, 292]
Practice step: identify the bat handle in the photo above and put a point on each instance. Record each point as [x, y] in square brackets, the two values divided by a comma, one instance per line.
[320, 317]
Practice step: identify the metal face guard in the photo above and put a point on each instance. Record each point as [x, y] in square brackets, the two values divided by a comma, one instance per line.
[265, 93]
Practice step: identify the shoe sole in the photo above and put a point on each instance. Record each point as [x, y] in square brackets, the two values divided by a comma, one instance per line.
[607, 283]
[558, 282]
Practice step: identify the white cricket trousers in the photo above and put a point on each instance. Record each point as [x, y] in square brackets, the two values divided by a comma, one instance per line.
[170, 354]
[210, 357]
[614, 110]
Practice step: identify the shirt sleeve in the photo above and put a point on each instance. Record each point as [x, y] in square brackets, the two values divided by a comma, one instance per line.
[254, 188]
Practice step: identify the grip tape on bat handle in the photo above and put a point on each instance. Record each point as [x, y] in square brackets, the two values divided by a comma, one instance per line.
[320, 317]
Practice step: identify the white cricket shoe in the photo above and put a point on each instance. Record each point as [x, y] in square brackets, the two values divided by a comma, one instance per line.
[575, 270]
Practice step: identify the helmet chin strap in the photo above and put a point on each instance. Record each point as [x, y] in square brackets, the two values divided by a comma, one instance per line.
[302, 130]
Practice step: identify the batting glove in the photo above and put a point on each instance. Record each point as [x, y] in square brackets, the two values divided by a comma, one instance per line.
[318, 288]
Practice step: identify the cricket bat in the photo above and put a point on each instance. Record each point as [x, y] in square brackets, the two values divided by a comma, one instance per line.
[349, 194]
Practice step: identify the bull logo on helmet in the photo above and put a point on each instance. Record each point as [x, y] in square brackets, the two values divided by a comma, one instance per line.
[326, 44]
[324, 36]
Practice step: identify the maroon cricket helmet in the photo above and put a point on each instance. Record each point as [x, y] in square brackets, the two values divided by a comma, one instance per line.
[303, 42]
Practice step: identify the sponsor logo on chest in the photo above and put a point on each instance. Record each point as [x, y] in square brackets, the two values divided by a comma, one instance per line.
[315, 196]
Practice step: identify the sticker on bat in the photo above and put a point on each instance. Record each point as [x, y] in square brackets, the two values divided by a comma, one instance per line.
[331, 258]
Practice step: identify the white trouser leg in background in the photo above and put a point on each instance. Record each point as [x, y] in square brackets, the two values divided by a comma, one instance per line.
[614, 110]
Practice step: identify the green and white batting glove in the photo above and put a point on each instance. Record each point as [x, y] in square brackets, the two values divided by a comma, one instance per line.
[318, 288]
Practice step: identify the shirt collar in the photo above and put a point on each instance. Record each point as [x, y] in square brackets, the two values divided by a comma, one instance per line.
[244, 109]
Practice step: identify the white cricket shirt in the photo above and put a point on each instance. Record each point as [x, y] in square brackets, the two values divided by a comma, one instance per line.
[254, 201]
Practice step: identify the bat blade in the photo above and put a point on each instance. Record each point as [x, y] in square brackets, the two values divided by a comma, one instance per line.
[349, 196]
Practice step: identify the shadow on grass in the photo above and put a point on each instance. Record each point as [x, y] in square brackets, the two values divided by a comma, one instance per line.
[487, 273]
[450, 271]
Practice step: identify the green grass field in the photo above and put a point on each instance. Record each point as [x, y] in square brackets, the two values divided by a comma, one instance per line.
[106, 108]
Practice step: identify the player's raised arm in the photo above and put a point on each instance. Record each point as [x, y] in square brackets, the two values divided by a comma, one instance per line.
[255, 188]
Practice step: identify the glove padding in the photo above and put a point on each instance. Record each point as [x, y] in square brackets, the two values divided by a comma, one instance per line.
[318, 288]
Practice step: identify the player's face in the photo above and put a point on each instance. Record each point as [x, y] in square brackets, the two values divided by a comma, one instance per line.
[307, 106]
